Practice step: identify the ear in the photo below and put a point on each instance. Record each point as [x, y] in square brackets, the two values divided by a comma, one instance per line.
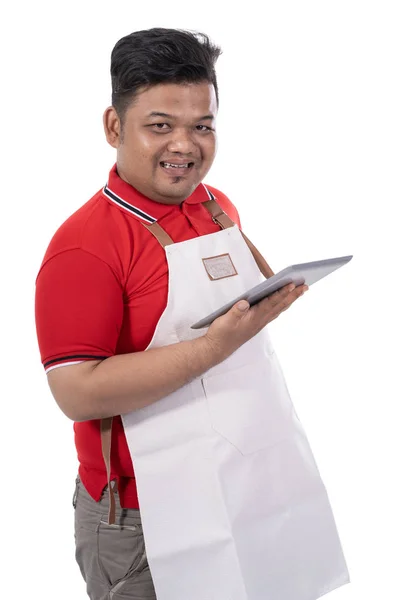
[112, 127]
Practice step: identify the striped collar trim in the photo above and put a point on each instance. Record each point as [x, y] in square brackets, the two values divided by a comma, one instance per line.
[137, 211]
[127, 206]
[211, 196]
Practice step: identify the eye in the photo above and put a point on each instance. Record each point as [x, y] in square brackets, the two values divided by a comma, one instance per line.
[160, 126]
[203, 128]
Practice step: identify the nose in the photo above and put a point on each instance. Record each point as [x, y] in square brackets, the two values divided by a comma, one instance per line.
[181, 141]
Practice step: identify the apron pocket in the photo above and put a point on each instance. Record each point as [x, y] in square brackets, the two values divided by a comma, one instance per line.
[250, 407]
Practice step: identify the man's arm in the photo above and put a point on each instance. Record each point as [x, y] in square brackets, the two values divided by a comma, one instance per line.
[79, 312]
[123, 383]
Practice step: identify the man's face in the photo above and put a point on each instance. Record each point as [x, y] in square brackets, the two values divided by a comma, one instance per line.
[168, 142]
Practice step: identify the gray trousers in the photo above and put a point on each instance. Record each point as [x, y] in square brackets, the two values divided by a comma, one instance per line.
[112, 558]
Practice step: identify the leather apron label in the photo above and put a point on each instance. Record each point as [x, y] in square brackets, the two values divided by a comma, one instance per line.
[219, 267]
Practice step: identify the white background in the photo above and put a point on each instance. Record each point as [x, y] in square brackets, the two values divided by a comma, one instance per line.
[309, 149]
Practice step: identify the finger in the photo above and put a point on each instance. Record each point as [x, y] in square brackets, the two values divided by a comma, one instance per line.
[295, 295]
[281, 294]
[292, 292]
[271, 310]
[280, 300]
[286, 301]
[286, 289]
[300, 290]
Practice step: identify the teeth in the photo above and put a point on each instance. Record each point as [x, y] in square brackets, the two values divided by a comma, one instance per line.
[170, 165]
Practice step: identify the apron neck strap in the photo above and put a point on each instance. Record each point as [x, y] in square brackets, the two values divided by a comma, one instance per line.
[159, 233]
[218, 215]
[258, 257]
[222, 219]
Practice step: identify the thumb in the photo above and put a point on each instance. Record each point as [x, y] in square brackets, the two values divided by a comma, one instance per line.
[241, 308]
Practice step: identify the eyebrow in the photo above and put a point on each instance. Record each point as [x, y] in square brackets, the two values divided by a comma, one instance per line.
[167, 116]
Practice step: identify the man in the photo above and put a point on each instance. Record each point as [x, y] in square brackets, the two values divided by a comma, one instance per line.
[160, 408]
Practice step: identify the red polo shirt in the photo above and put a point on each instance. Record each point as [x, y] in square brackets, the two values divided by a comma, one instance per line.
[100, 291]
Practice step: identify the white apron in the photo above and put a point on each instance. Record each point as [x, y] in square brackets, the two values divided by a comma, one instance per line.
[231, 500]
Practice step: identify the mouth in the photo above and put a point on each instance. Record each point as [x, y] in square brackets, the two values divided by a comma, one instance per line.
[177, 169]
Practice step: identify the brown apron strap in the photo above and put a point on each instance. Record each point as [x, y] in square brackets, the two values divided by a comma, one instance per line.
[220, 218]
[106, 429]
[218, 215]
[258, 257]
[159, 233]
[224, 222]
[106, 424]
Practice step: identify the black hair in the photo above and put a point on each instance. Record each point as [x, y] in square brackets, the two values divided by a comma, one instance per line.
[158, 55]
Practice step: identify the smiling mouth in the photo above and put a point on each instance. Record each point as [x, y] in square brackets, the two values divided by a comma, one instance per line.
[177, 167]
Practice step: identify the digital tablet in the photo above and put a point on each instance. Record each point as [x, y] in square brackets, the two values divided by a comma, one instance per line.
[303, 273]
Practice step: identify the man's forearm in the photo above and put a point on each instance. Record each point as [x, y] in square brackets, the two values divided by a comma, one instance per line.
[126, 382]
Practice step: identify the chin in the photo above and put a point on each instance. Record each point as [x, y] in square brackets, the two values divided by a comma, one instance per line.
[177, 190]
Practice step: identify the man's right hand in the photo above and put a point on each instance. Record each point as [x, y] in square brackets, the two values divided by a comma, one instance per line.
[227, 333]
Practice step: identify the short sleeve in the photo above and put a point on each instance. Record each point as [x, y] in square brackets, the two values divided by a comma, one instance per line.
[78, 309]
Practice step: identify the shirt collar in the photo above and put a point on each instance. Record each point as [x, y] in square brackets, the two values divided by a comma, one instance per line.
[127, 197]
